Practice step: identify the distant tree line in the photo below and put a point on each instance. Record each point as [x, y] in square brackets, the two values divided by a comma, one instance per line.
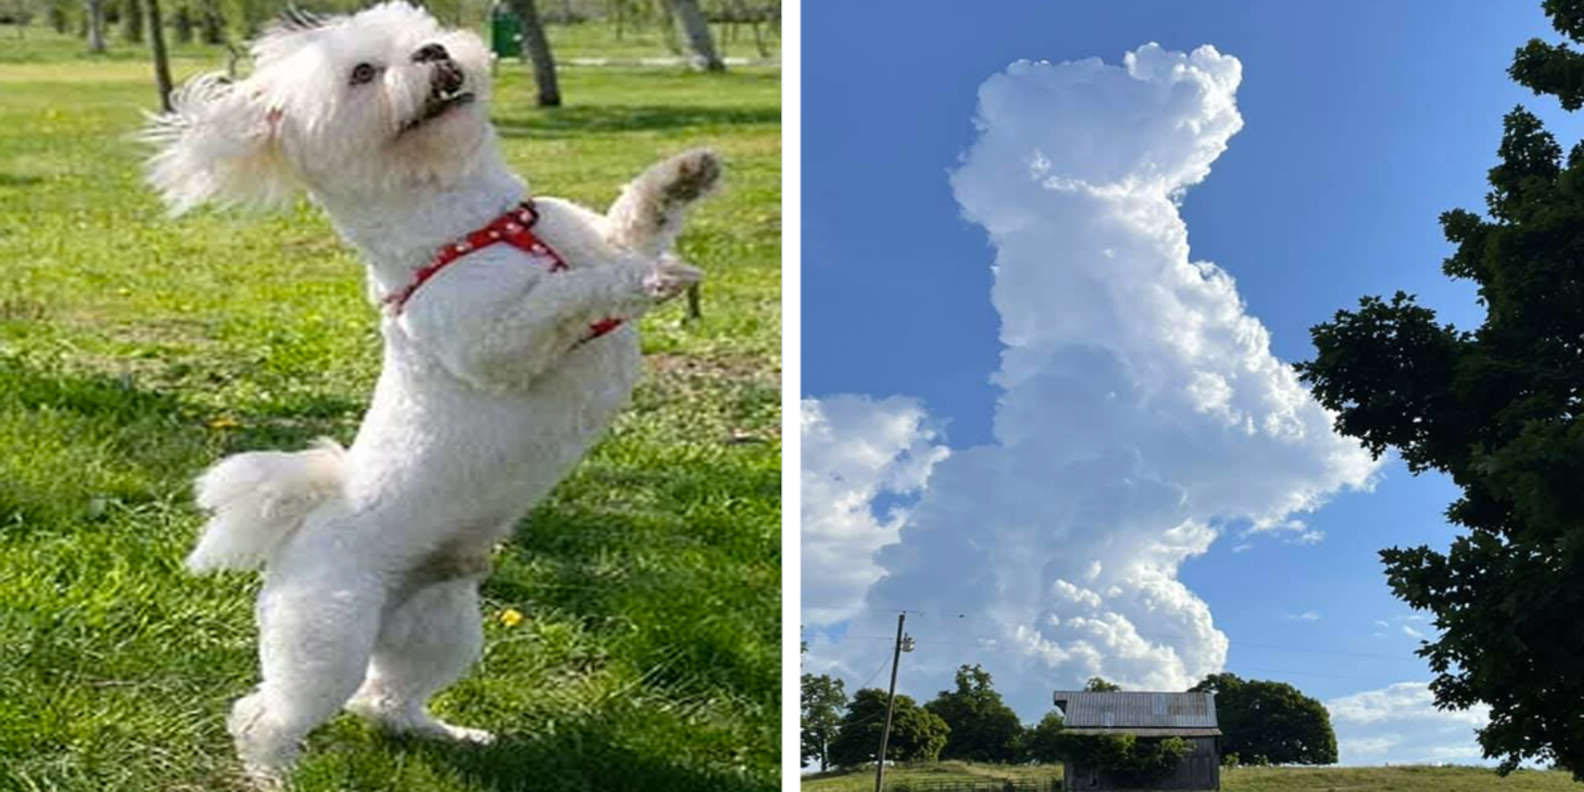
[221, 22]
[1261, 722]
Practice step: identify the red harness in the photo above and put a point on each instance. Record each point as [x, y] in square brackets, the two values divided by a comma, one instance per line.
[513, 228]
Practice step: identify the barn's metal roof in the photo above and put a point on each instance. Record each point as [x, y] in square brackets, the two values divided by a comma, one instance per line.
[1082, 709]
[1144, 731]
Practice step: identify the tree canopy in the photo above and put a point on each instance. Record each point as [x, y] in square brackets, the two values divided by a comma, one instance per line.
[983, 727]
[916, 733]
[1270, 722]
[1100, 685]
[1497, 409]
[823, 700]
[1042, 742]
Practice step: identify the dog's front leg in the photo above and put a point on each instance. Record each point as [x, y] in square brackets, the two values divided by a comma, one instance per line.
[514, 345]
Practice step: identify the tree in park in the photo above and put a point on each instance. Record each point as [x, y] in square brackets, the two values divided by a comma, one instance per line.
[162, 75]
[823, 700]
[95, 15]
[1498, 409]
[537, 46]
[1270, 722]
[916, 733]
[696, 28]
[983, 727]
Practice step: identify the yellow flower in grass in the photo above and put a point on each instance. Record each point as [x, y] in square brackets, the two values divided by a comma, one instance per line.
[224, 422]
[511, 617]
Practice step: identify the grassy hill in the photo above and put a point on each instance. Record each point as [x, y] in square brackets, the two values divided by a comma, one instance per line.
[1407, 778]
[928, 774]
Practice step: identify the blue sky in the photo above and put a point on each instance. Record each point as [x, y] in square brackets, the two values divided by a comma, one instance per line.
[1361, 122]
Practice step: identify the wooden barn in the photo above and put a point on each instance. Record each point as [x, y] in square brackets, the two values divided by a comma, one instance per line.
[1191, 716]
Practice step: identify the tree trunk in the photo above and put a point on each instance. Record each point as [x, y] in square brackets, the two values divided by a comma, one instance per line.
[698, 33]
[95, 17]
[132, 20]
[162, 78]
[537, 47]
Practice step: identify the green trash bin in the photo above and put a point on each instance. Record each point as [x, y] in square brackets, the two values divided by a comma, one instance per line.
[505, 32]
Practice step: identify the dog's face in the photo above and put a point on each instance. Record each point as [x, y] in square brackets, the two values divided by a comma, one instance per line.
[372, 104]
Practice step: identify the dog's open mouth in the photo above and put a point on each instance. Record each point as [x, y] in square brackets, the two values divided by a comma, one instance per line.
[445, 92]
[438, 106]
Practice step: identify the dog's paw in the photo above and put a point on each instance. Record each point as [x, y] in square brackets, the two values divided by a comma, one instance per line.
[669, 278]
[693, 174]
[464, 734]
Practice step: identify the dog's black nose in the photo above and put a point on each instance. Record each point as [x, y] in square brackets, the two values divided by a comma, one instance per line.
[431, 52]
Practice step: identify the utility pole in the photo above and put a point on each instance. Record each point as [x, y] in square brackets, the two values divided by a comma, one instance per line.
[903, 644]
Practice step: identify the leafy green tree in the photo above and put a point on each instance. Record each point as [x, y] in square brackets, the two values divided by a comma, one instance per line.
[983, 727]
[1270, 722]
[1042, 743]
[916, 733]
[1498, 410]
[1128, 759]
[823, 700]
[1099, 685]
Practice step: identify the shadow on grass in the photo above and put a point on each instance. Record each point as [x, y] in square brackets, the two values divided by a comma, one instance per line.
[568, 121]
[110, 423]
[585, 756]
[17, 180]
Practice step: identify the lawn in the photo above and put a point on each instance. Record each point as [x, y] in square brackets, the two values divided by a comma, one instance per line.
[942, 776]
[925, 775]
[135, 350]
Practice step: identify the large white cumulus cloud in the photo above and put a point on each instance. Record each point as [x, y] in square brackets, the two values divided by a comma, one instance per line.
[1141, 407]
[855, 449]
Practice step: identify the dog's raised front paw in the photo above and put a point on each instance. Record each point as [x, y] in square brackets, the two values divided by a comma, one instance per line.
[692, 175]
[670, 277]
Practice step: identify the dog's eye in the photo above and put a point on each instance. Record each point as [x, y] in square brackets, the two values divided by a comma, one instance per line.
[362, 73]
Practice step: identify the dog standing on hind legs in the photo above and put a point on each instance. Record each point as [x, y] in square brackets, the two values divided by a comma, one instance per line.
[509, 346]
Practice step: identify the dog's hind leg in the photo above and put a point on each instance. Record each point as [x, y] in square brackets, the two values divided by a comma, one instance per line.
[425, 643]
[316, 631]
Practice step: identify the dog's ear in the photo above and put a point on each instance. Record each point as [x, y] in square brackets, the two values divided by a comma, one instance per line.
[220, 144]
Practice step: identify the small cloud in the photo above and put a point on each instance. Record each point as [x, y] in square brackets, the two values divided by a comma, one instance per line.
[1381, 623]
[1242, 547]
[1308, 615]
[1411, 632]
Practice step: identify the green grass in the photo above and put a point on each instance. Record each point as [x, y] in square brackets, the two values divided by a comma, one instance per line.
[1403, 778]
[1407, 778]
[136, 350]
[929, 773]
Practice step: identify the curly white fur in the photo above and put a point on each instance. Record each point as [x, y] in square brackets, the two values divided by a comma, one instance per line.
[372, 555]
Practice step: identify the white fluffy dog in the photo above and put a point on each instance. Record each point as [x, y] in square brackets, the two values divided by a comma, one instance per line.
[509, 346]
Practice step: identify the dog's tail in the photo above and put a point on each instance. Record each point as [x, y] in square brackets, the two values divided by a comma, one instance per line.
[647, 216]
[257, 499]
